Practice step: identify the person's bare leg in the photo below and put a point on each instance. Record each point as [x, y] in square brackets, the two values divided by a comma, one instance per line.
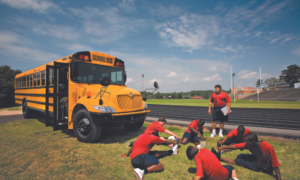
[221, 125]
[161, 154]
[156, 168]
[233, 175]
[229, 161]
[196, 142]
[184, 141]
[214, 125]
[125, 155]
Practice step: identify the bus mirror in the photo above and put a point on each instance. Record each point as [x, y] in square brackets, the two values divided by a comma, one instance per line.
[125, 77]
[155, 85]
[105, 81]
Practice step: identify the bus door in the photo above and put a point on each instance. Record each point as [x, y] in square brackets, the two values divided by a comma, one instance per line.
[59, 95]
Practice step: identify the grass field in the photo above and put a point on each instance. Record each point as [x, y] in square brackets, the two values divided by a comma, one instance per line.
[29, 150]
[237, 103]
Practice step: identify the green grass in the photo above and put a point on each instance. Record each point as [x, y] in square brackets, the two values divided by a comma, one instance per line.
[29, 150]
[237, 103]
[14, 108]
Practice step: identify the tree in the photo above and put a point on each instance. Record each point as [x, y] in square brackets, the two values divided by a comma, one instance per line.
[271, 81]
[7, 93]
[291, 74]
[158, 95]
[258, 83]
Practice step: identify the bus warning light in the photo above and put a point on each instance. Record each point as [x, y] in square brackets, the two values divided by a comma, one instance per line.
[89, 94]
[86, 57]
[80, 56]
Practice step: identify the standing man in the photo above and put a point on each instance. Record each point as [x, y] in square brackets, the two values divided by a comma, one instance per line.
[220, 99]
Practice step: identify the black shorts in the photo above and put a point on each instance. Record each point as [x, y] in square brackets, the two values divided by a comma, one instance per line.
[249, 161]
[229, 169]
[218, 115]
[143, 161]
[191, 137]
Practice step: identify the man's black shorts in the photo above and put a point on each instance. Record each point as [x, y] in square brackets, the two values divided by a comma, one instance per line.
[218, 115]
[143, 161]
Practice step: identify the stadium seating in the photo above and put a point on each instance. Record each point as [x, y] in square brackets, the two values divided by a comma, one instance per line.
[277, 95]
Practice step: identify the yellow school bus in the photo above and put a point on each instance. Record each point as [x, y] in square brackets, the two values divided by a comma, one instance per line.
[84, 91]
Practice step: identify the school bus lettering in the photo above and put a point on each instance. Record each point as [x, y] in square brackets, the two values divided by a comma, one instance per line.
[77, 93]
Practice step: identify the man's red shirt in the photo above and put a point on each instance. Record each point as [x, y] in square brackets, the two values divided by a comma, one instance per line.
[194, 125]
[154, 127]
[235, 131]
[220, 100]
[265, 155]
[144, 144]
[209, 165]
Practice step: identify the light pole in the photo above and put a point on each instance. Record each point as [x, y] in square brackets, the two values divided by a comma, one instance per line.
[233, 74]
[142, 82]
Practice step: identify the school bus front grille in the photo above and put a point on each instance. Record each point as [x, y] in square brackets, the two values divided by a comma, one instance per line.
[125, 102]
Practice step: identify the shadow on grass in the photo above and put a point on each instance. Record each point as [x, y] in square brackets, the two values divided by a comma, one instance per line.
[192, 170]
[109, 135]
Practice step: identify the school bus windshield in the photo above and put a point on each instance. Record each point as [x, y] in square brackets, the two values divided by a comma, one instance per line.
[92, 73]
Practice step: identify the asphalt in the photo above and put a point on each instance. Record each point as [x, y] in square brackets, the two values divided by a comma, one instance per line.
[273, 122]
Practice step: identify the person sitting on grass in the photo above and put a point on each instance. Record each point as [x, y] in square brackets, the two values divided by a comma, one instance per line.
[262, 159]
[208, 166]
[190, 135]
[145, 161]
[234, 137]
[154, 129]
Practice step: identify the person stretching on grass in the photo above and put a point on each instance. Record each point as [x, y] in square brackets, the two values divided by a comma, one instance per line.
[145, 161]
[263, 157]
[190, 135]
[234, 137]
[208, 166]
[154, 129]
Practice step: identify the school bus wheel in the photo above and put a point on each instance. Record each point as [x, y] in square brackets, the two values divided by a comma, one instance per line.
[27, 113]
[85, 128]
[134, 126]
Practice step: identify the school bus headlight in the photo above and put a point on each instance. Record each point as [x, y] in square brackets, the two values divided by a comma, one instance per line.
[146, 106]
[106, 109]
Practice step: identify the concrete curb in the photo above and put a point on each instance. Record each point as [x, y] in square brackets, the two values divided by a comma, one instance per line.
[258, 130]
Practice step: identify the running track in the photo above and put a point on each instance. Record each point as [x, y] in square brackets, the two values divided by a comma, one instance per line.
[266, 118]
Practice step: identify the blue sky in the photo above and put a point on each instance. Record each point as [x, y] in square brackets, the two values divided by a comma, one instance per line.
[183, 45]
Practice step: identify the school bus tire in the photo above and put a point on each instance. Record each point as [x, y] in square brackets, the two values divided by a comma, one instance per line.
[134, 126]
[85, 128]
[27, 112]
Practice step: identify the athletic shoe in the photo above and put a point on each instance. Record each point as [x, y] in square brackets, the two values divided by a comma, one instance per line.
[177, 140]
[131, 143]
[139, 173]
[215, 153]
[201, 145]
[172, 138]
[212, 135]
[220, 134]
[174, 149]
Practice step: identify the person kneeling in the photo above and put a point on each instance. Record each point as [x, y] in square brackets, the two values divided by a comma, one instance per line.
[208, 165]
[145, 161]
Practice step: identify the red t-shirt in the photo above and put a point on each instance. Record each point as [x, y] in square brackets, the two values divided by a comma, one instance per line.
[265, 155]
[154, 127]
[194, 125]
[144, 143]
[235, 131]
[208, 164]
[220, 100]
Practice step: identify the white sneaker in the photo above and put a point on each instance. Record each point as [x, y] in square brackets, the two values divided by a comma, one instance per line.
[139, 173]
[212, 135]
[174, 149]
[201, 145]
[220, 134]
[172, 138]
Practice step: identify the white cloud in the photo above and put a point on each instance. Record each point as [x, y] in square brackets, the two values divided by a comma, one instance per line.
[215, 77]
[188, 79]
[129, 80]
[78, 47]
[213, 68]
[246, 74]
[172, 74]
[225, 49]
[296, 51]
[163, 11]
[127, 5]
[39, 6]
[58, 31]
[155, 80]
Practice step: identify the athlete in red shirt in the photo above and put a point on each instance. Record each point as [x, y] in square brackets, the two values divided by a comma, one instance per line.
[208, 166]
[219, 99]
[234, 137]
[144, 160]
[264, 153]
[195, 128]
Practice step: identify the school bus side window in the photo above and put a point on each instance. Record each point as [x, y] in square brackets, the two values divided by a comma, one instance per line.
[34, 79]
[43, 78]
[38, 80]
[30, 80]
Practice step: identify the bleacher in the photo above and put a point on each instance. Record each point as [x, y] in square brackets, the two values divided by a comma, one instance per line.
[277, 95]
